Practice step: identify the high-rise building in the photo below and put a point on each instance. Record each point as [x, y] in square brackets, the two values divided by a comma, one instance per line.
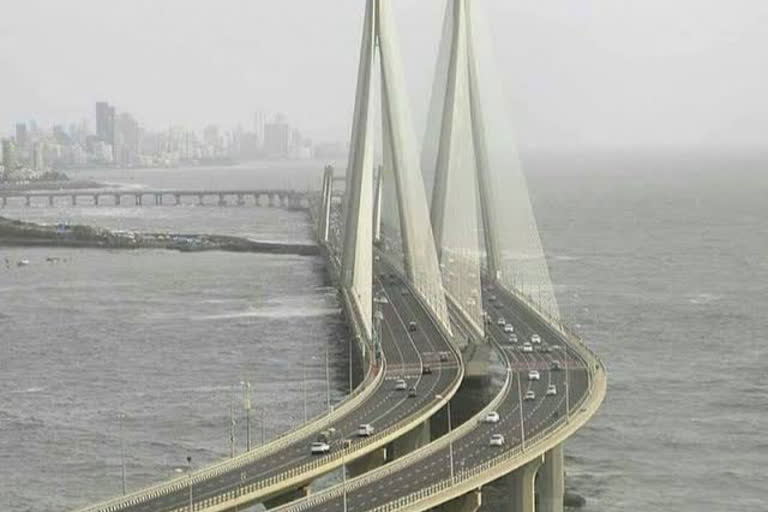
[258, 127]
[9, 157]
[277, 138]
[105, 122]
[21, 136]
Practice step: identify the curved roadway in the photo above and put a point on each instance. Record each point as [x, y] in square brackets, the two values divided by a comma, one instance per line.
[473, 449]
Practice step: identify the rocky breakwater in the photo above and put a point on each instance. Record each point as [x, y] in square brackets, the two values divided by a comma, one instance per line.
[28, 234]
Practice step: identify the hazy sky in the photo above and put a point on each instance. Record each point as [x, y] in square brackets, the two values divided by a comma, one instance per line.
[576, 72]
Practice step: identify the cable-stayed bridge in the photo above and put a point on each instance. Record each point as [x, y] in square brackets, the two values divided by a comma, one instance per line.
[436, 254]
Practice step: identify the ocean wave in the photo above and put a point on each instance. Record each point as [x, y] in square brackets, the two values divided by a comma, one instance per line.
[704, 298]
[269, 313]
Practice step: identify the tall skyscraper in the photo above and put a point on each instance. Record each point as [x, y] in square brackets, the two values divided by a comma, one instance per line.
[105, 122]
[9, 157]
[277, 138]
[21, 136]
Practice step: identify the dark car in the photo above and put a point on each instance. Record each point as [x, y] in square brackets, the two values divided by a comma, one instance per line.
[412, 392]
[426, 370]
[412, 326]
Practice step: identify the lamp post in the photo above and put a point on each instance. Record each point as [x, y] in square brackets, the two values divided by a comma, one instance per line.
[247, 406]
[327, 381]
[120, 418]
[189, 473]
[304, 387]
[520, 404]
[450, 442]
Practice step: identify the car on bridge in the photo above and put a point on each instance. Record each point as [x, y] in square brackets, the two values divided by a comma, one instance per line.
[535, 338]
[320, 448]
[501, 321]
[530, 395]
[551, 390]
[412, 393]
[556, 366]
[412, 326]
[491, 417]
[496, 440]
[534, 375]
[426, 370]
[527, 347]
[401, 385]
[365, 430]
[509, 328]
[513, 338]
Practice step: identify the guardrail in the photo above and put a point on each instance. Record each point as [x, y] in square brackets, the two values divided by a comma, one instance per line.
[374, 377]
[467, 480]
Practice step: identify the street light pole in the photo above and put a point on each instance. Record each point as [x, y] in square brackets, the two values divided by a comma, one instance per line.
[567, 389]
[450, 441]
[247, 404]
[304, 386]
[327, 381]
[520, 404]
[263, 427]
[122, 451]
[232, 424]
[189, 472]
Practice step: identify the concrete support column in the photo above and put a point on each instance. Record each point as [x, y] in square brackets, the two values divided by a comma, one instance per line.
[240, 200]
[287, 497]
[366, 463]
[96, 199]
[139, 199]
[177, 197]
[74, 200]
[521, 485]
[200, 199]
[222, 200]
[50, 200]
[5, 201]
[551, 481]
[412, 441]
[470, 502]
[117, 199]
[29, 200]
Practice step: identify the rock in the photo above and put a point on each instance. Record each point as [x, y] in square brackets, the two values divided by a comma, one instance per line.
[573, 500]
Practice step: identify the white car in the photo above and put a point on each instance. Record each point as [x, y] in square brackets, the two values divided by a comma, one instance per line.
[365, 430]
[535, 338]
[319, 448]
[534, 375]
[501, 321]
[401, 385]
[513, 338]
[551, 390]
[491, 417]
[496, 440]
[530, 395]
[527, 347]
[509, 328]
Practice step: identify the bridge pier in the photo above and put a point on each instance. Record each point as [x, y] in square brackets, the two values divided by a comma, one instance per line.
[470, 502]
[74, 200]
[138, 199]
[158, 199]
[521, 485]
[287, 497]
[200, 201]
[5, 201]
[551, 481]
[240, 200]
[177, 197]
[29, 200]
[411, 441]
[271, 201]
[117, 199]
[366, 463]
[222, 200]
[50, 200]
[96, 199]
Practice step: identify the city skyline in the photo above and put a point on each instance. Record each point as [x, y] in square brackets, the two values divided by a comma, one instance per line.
[592, 74]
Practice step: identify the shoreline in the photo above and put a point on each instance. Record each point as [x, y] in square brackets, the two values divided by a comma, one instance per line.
[16, 233]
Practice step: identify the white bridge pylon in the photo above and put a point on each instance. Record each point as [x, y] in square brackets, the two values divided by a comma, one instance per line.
[400, 173]
[481, 211]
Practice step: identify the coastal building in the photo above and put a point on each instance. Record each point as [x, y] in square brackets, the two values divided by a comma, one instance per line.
[9, 158]
[105, 122]
[277, 138]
